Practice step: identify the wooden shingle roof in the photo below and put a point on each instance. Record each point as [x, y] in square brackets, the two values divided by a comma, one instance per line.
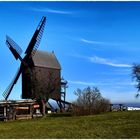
[46, 59]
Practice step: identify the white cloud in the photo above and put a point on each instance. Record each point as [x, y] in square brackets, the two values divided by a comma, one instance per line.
[54, 11]
[98, 42]
[107, 83]
[101, 60]
[104, 61]
[81, 83]
[91, 41]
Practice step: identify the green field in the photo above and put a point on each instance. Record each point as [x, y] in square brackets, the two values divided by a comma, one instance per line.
[109, 125]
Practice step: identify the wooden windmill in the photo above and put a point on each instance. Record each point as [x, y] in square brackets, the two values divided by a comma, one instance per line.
[41, 77]
[26, 63]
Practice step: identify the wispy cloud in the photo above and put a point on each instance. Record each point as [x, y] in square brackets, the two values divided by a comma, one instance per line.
[93, 42]
[105, 61]
[100, 60]
[82, 83]
[120, 84]
[53, 11]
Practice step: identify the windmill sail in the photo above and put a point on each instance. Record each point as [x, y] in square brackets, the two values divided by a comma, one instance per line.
[8, 90]
[14, 47]
[35, 41]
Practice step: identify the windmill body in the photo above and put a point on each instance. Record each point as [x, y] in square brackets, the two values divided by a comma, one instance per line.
[43, 81]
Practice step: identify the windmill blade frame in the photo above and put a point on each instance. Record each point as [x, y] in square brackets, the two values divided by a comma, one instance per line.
[14, 47]
[8, 90]
[35, 41]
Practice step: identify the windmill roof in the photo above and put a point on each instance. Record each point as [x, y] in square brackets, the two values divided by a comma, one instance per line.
[46, 59]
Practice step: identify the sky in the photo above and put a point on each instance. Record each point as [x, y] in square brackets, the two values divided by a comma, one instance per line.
[96, 44]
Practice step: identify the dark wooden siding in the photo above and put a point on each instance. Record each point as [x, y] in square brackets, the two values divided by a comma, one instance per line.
[43, 83]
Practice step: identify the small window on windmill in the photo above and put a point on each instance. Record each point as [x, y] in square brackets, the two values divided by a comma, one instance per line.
[1, 111]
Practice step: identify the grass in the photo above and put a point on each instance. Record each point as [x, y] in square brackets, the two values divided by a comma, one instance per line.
[109, 125]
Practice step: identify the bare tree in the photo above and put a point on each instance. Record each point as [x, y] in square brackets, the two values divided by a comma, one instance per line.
[90, 101]
[136, 77]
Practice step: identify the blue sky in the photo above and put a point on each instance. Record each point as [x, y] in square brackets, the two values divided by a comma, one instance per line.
[95, 42]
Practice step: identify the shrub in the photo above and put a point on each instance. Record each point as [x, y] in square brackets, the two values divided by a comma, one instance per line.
[89, 102]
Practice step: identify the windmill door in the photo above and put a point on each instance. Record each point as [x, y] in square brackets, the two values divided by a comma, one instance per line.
[2, 113]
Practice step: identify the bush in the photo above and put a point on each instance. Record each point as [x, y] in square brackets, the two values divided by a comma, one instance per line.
[89, 102]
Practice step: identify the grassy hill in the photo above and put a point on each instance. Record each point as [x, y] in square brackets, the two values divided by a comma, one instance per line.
[109, 125]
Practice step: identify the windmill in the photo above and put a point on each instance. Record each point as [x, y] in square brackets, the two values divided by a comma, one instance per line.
[41, 77]
[25, 66]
